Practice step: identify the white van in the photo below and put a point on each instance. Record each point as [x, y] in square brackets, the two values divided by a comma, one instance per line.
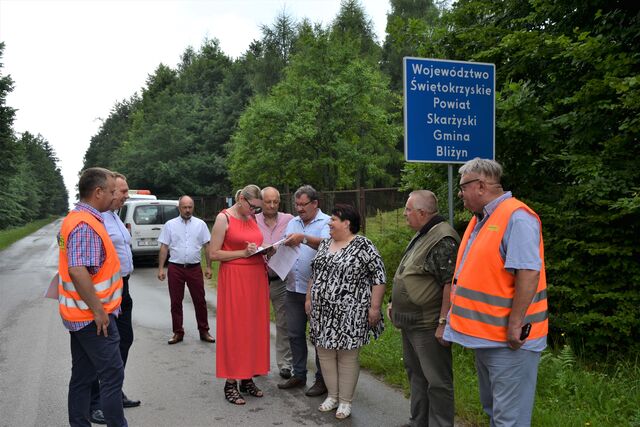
[144, 220]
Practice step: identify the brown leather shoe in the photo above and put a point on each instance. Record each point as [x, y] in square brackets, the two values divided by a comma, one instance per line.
[317, 389]
[205, 336]
[176, 338]
[292, 382]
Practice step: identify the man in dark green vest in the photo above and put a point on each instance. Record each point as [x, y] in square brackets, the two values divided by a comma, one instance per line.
[420, 295]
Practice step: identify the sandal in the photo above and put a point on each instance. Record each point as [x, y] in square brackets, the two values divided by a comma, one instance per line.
[344, 410]
[231, 393]
[329, 404]
[248, 386]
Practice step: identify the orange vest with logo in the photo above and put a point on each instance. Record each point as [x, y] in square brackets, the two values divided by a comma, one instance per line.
[107, 281]
[483, 290]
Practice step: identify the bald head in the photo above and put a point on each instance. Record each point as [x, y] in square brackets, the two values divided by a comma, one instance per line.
[185, 205]
[270, 201]
[270, 191]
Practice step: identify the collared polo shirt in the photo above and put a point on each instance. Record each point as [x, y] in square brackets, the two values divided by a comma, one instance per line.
[270, 235]
[298, 278]
[185, 239]
[273, 234]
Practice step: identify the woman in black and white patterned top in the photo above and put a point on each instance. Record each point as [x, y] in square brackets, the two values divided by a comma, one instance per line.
[343, 303]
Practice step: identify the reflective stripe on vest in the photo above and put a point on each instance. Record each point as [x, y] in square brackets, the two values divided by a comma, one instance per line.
[495, 300]
[482, 294]
[81, 305]
[99, 287]
[495, 320]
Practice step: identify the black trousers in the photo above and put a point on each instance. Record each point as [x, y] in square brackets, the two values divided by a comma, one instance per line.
[125, 329]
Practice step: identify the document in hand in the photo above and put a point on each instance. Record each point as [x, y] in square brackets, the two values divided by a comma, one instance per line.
[262, 249]
[283, 260]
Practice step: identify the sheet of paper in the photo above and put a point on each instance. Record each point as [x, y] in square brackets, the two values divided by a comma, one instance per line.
[52, 290]
[283, 260]
[262, 249]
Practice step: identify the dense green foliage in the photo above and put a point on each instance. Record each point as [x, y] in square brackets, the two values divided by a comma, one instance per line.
[329, 122]
[31, 184]
[321, 105]
[567, 134]
[567, 126]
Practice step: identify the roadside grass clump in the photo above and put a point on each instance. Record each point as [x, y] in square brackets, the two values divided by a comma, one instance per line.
[12, 235]
[572, 392]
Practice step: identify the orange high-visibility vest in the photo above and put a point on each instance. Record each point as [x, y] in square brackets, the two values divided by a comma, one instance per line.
[483, 290]
[107, 281]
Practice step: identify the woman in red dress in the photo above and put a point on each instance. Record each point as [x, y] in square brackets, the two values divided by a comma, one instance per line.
[242, 319]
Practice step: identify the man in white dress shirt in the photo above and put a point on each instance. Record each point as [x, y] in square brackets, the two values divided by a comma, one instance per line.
[183, 238]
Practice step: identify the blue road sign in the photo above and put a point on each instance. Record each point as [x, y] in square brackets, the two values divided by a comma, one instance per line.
[449, 110]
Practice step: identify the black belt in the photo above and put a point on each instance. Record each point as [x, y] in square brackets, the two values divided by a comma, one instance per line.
[197, 264]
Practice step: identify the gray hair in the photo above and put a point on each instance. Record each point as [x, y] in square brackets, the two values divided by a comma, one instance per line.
[309, 191]
[484, 167]
[249, 192]
[425, 200]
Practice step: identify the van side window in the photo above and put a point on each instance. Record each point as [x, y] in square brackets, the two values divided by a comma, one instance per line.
[123, 212]
[169, 212]
[147, 215]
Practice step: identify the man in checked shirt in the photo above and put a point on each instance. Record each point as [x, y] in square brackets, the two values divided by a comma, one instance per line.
[90, 293]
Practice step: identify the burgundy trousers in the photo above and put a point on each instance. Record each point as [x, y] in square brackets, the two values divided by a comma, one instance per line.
[177, 277]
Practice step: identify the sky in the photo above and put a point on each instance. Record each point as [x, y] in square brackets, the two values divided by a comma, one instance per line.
[72, 60]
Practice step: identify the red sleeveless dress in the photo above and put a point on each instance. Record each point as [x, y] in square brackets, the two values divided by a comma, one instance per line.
[242, 318]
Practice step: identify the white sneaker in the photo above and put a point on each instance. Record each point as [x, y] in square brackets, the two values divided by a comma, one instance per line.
[344, 410]
[329, 404]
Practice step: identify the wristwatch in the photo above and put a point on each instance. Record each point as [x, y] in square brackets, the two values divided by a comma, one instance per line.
[304, 240]
[442, 321]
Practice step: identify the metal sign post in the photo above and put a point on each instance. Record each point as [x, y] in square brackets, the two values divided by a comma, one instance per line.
[449, 112]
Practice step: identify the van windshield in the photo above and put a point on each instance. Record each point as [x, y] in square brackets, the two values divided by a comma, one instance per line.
[147, 215]
[170, 212]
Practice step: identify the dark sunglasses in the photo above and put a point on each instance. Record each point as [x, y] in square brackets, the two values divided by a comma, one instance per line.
[254, 208]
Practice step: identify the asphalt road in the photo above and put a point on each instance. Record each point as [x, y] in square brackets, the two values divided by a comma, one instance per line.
[177, 384]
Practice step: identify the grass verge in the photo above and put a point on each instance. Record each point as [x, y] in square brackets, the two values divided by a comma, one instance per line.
[12, 235]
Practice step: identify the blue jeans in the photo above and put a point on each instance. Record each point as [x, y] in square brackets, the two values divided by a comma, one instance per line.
[507, 382]
[96, 356]
[297, 327]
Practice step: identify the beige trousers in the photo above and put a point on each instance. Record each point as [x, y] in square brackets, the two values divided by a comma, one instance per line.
[340, 370]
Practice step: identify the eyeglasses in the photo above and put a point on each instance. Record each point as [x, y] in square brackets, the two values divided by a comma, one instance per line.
[462, 184]
[302, 205]
[254, 208]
